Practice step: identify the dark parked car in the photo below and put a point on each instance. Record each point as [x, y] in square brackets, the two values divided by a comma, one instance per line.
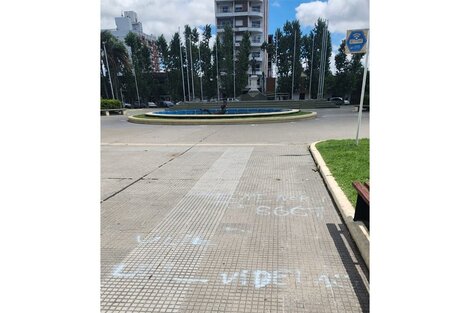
[337, 100]
[166, 104]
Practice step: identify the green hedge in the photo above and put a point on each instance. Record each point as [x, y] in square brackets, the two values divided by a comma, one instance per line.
[110, 104]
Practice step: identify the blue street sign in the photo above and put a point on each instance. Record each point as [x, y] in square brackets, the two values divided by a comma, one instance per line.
[356, 41]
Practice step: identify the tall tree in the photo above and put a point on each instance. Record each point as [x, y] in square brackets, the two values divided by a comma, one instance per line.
[356, 72]
[216, 68]
[118, 61]
[342, 83]
[287, 63]
[319, 26]
[176, 80]
[242, 63]
[162, 48]
[226, 64]
[140, 55]
[206, 64]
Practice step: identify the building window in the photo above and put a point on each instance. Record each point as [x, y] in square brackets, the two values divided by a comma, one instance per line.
[256, 24]
[225, 9]
[255, 54]
[257, 39]
[238, 22]
[256, 8]
[238, 8]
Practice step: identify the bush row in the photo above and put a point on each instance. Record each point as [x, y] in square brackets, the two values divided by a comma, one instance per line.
[110, 104]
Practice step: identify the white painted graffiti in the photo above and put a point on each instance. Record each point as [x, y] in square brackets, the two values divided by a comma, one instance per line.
[331, 281]
[174, 241]
[235, 230]
[295, 211]
[260, 278]
[284, 198]
[252, 196]
[120, 272]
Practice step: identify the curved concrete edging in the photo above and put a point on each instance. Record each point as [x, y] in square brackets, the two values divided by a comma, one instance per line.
[358, 230]
[248, 120]
[217, 116]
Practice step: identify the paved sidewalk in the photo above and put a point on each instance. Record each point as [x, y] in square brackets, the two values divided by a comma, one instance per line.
[222, 227]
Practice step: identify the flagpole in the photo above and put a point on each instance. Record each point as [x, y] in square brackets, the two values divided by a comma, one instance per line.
[311, 67]
[200, 65]
[275, 85]
[182, 71]
[109, 72]
[191, 56]
[217, 65]
[293, 65]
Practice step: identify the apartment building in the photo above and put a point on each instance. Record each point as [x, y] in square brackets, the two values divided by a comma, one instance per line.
[246, 15]
[128, 22]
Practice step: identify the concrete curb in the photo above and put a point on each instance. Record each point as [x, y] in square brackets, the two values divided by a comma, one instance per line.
[358, 230]
[254, 120]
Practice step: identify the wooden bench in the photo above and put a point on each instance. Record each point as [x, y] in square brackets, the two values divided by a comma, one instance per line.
[362, 203]
[365, 107]
[107, 111]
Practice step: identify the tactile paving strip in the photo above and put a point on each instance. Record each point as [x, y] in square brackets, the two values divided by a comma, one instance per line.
[157, 274]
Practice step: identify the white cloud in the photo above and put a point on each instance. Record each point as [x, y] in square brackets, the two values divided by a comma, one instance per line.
[334, 49]
[341, 14]
[160, 16]
[276, 4]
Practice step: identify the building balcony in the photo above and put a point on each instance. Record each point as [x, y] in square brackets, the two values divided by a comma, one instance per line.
[248, 29]
[242, 13]
[252, 1]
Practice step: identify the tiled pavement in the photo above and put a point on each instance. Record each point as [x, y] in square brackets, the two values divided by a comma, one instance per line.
[223, 228]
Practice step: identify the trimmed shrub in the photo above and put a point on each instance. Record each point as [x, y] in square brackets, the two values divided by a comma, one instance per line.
[110, 104]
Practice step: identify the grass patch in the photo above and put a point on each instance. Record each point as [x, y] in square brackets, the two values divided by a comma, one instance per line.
[347, 163]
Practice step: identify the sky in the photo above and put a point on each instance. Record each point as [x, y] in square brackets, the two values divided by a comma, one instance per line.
[165, 16]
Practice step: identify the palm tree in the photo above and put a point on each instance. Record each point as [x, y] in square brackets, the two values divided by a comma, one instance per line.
[118, 58]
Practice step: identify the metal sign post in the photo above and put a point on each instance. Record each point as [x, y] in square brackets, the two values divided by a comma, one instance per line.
[357, 41]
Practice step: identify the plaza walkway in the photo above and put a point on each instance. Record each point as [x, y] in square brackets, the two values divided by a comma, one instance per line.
[224, 219]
